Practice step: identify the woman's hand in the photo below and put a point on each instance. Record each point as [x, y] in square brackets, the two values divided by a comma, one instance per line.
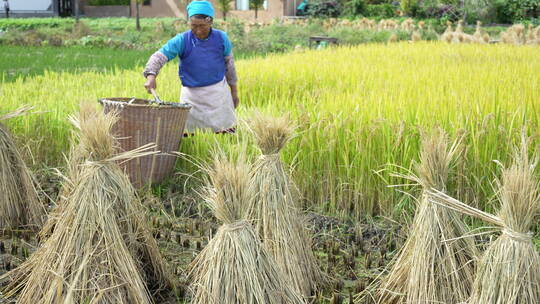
[150, 83]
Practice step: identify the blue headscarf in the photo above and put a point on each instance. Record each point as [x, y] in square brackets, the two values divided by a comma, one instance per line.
[200, 7]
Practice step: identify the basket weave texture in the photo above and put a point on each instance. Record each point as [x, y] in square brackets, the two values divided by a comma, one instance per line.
[141, 123]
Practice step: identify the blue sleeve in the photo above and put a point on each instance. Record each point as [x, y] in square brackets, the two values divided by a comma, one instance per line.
[173, 47]
[226, 43]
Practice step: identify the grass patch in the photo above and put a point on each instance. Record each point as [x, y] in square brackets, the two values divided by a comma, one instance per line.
[19, 62]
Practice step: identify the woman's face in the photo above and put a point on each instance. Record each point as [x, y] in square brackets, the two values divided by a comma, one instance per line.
[201, 27]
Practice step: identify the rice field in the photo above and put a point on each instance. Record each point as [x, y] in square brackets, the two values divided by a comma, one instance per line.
[358, 110]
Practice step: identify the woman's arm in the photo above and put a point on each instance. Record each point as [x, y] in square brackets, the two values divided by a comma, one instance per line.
[155, 63]
[230, 70]
[232, 78]
[168, 52]
[153, 66]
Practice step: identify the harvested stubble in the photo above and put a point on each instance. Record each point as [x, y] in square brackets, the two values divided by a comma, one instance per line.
[20, 206]
[235, 268]
[435, 265]
[100, 250]
[275, 208]
[509, 271]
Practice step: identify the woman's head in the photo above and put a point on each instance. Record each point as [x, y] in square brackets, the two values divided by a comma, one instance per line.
[201, 14]
[201, 25]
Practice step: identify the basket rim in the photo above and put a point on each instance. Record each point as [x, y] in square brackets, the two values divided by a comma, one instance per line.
[122, 101]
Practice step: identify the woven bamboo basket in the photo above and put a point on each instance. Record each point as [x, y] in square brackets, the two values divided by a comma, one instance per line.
[141, 122]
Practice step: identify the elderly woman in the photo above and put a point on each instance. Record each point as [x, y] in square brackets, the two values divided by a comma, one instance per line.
[206, 71]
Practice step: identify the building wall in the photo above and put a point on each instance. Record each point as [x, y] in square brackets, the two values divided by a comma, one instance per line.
[106, 11]
[160, 8]
[30, 8]
[274, 9]
[30, 5]
[173, 8]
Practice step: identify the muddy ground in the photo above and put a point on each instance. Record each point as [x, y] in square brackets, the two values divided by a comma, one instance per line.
[352, 253]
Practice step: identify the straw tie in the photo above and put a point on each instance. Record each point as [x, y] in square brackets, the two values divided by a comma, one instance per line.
[518, 236]
[270, 156]
[235, 226]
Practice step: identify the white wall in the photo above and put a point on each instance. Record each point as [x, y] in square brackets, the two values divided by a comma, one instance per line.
[30, 5]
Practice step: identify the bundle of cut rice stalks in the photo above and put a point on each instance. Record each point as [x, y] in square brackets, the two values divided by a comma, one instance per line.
[509, 271]
[100, 250]
[235, 268]
[84, 148]
[436, 265]
[275, 209]
[20, 206]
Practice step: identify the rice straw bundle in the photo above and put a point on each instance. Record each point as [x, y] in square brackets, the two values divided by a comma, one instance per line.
[20, 206]
[83, 149]
[509, 271]
[278, 221]
[415, 37]
[235, 268]
[435, 264]
[100, 250]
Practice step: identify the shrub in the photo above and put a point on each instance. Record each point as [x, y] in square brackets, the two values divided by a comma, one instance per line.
[354, 8]
[409, 6]
[509, 11]
[381, 10]
[325, 9]
[379, 1]
[443, 12]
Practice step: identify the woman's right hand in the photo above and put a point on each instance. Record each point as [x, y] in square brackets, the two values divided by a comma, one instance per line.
[150, 83]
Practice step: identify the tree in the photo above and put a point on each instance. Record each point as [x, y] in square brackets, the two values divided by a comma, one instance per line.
[76, 8]
[137, 14]
[256, 5]
[407, 6]
[225, 7]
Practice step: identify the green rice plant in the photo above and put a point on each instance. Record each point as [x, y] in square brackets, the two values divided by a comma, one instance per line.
[358, 109]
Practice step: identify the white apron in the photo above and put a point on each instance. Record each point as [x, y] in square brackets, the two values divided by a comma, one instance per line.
[212, 107]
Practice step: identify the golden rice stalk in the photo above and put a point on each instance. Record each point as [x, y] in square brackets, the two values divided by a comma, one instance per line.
[436, 264]
[20, 206]
[509, 271]
[235, 268]
[279, 223]
[100, 250]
